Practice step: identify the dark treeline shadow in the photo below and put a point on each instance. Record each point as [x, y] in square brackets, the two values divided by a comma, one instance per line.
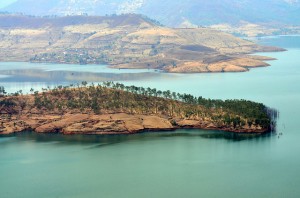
[108, 140]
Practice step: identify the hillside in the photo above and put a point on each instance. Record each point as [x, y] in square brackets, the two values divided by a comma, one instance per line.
[277, 14]
[243, 18]
[118, 109]
[124, 41]
[199, 12]
[202, 12]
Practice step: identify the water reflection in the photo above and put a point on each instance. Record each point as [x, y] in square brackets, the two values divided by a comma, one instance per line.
[207, 134]
[25, 79]
[108, 140]
[36, 75]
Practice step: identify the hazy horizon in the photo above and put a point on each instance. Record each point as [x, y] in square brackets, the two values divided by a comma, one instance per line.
[171, 13]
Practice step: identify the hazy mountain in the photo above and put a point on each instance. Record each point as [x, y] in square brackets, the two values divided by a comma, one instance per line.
[170, 12]
[203, 12]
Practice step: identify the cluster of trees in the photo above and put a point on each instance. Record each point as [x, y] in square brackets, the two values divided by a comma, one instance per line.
[2, 91]
[245, 108]
[5, 102]
[117, 97]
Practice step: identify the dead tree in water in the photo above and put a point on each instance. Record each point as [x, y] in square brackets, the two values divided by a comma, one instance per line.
[274, 116]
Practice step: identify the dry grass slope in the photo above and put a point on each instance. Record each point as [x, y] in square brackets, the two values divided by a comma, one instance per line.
[126, 41]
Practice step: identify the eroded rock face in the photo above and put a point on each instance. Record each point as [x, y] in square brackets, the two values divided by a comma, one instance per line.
[119, 123]
[88, 124]
[58, 126]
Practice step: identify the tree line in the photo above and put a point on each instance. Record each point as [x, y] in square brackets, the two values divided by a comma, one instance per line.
[117, 97]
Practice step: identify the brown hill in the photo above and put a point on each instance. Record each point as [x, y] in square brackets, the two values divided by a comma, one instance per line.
[125, 41]
[116, 109]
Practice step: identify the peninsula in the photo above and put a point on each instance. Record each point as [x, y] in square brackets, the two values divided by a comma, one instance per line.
[125, 41]
[113, 108]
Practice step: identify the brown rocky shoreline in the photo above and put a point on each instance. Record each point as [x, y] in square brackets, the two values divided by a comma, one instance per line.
[118, 123]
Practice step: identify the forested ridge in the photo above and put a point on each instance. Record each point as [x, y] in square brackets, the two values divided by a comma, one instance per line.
[111, 97]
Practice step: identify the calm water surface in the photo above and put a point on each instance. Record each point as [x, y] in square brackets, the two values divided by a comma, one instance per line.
[187, 163]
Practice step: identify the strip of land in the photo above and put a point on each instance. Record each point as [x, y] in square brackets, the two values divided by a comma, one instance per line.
[119, 109]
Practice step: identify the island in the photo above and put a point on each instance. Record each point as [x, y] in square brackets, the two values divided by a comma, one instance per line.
[114, 108]
[127, 41]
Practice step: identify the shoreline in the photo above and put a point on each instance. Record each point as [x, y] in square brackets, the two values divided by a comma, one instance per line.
[190, 70]
[113, 124]
[140, 132]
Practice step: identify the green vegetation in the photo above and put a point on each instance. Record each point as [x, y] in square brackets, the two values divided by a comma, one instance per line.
[5, 103]
[2, 91]
[115, 97]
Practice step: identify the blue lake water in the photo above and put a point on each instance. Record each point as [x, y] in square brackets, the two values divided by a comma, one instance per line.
[185, 163]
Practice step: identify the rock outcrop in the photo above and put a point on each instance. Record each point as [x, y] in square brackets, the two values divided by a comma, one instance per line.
[119, 123]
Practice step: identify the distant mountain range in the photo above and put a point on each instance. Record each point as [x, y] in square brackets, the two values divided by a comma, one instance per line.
[173, 13]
